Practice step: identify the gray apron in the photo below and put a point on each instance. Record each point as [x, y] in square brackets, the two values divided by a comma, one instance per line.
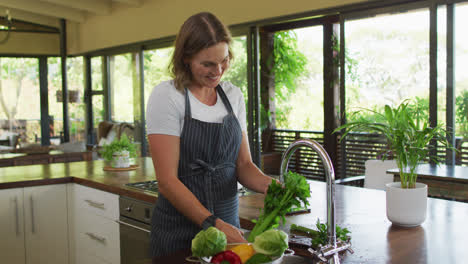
[208, 154]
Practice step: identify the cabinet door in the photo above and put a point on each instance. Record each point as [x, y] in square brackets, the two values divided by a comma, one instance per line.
[46, 224]
[11, 226]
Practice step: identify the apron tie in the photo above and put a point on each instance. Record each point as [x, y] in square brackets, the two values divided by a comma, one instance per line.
[209, 169]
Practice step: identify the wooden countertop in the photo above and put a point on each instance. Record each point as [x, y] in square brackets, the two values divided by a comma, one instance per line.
[439, 172]
[88, 173]
[440, 239]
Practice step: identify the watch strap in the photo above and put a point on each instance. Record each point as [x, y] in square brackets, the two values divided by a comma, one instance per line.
[209, 222]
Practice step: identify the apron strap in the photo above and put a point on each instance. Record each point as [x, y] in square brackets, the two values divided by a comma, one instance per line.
[188, 111]
[209, 170]
[224, 98]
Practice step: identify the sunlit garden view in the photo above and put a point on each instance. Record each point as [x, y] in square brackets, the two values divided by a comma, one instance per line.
[387, 61]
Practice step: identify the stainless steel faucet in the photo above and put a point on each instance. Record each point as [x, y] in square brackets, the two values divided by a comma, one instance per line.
[331, 248]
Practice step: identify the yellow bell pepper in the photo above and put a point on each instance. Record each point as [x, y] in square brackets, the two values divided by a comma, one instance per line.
[244, 251]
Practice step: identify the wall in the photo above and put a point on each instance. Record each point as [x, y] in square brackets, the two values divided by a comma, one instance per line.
[31, 43]
[162, 18]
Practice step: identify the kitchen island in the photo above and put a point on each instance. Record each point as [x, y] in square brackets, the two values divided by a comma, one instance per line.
[440, 239]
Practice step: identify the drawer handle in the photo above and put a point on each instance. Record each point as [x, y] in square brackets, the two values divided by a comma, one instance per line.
[97, 238]
[96, 204]
[17, 216]
[133, 226]
[33, 225]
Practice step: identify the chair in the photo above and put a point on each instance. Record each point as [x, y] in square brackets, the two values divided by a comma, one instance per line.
[108, 131]
[375, 173]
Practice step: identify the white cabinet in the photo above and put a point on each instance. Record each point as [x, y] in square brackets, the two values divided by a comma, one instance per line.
[46, 224]
[12, 226]
[34, 225]
[92, 225]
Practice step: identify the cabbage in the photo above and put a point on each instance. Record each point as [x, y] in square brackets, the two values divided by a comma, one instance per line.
[208, 242]
[272, 242]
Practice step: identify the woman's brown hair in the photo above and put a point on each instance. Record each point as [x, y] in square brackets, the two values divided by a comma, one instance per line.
[198, 32]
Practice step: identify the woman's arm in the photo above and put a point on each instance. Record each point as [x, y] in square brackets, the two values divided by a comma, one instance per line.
[249, 174]
[165, 154]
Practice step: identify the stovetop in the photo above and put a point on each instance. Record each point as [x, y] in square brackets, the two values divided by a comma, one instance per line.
[147, 186]
[152, 186]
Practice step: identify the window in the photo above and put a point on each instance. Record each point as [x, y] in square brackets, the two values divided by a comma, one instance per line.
[19, 97]
[54, 69]
[300, 106]
[121, 88]
[156, 68]
[387, 60]
[237, 72]
[97, 100]
[76, 105]
[461, 64]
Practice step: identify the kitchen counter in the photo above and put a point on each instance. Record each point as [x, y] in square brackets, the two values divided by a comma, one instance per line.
[440, 239]
[443, 181]
[88, 173]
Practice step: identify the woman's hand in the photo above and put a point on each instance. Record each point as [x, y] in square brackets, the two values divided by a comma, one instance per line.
[277, 181]
[233, 234]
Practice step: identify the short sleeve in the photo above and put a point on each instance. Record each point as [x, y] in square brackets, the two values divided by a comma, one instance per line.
[236, 97]
[163, 114]
[241, 114]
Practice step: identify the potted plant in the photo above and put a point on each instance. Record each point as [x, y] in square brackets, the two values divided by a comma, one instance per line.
[408, 140]
[119, 152]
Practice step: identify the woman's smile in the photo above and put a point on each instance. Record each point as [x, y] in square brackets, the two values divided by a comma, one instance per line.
[209, 65]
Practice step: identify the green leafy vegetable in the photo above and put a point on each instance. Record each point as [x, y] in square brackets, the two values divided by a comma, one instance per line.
[319, 236]
[258, 258]
[278, 202]
[272, 242]
[208, 242]
[307, 231]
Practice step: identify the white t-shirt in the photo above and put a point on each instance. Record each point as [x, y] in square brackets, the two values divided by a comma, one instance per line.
[165, 110]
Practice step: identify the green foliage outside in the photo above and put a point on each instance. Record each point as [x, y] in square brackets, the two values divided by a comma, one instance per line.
[289, 65]
[375, 76]
[19, 96]
[461, 103]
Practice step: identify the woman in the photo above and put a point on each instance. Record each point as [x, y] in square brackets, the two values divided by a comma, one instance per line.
[197, 136]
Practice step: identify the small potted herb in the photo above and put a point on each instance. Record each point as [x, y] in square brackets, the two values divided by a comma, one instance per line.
[119, 152]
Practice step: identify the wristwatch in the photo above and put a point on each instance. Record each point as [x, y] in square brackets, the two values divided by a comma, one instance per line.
[209, 222]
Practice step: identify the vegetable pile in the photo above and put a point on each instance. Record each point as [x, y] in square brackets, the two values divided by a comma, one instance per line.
[266, 242]
[264, 249]
[279, 200]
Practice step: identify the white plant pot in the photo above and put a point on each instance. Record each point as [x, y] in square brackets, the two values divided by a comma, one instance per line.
[121, 159]
[406, 207]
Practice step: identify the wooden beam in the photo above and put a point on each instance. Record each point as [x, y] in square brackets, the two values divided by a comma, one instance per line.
[92, 6]
[21, 26]
[25, 16]
[45, 9]
[44, 101]
[130, 2]
[331, 91]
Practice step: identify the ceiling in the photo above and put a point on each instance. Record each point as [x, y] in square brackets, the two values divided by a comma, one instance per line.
[49, 12]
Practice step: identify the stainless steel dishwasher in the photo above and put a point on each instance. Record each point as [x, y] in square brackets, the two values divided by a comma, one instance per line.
[135, 226]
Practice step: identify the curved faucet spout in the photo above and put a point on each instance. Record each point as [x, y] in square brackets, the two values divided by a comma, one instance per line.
[330, 178]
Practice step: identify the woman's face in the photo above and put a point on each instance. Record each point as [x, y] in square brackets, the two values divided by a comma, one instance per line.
[209, 64]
